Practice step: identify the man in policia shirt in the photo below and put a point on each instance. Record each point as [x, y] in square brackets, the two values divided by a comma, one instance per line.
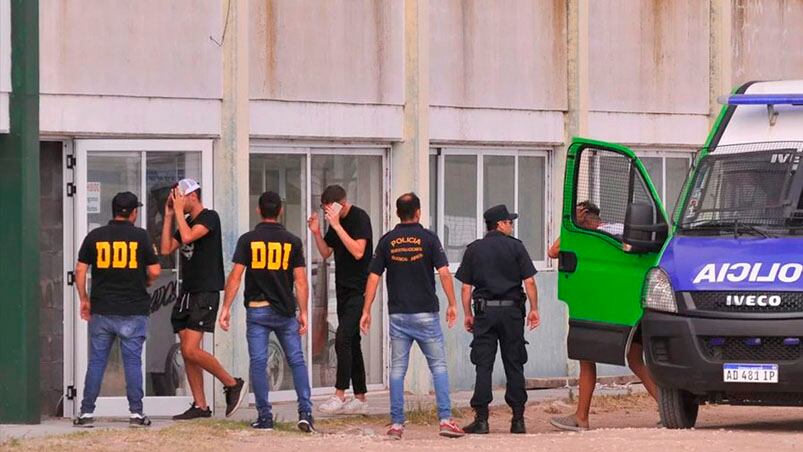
[411, 253]
[350, 238]
[273, 261]
[123, 263]
[195, 311]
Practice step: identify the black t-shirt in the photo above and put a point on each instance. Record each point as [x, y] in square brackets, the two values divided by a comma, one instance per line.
[351, 274]
[270, 254]
[119, 254]
[202, 260]
[411, 254]
[496, 265]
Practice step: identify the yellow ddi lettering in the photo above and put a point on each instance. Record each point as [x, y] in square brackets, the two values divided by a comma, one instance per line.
[116, 255]
[258, 255]
[104, 254]
[270, 255]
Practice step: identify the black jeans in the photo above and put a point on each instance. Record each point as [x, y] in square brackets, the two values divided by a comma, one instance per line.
[350, 364]
[505, 326]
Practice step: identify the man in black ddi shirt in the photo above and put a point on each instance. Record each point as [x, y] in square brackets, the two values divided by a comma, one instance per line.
[123, 263]
[411, 254]
[195, 311]
[350, 238]
[273, 261]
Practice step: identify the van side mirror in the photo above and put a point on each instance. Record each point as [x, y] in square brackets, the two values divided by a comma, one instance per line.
[643, 231]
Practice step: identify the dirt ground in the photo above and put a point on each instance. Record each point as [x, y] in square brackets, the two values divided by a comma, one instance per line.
[620, 423]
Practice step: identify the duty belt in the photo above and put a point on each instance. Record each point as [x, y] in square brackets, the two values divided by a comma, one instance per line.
[501, 303]
[258, 304]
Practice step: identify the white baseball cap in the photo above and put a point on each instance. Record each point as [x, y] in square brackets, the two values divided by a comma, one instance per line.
[187, 186]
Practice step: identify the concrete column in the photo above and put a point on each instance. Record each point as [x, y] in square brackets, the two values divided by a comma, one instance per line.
[231, 174]
[410, 157]
[720, 54]
[576, 118]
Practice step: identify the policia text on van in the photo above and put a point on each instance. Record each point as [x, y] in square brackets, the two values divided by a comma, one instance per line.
[717, 288]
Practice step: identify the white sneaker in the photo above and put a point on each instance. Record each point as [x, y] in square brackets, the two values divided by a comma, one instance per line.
[355, 406]
[332, 406]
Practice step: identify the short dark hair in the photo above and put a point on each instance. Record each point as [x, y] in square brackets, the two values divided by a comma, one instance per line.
[406, 206]
[491, 226]
[333, 193]
[270, 204]
[589, 207]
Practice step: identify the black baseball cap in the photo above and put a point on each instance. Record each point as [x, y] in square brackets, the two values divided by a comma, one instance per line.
[125, 202]
[498, 213]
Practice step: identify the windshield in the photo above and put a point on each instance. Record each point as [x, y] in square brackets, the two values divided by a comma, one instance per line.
[746, 189]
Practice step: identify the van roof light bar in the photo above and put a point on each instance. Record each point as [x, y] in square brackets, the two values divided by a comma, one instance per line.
[770, 100]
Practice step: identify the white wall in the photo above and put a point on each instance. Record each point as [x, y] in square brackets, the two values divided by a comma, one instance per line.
[153, 61]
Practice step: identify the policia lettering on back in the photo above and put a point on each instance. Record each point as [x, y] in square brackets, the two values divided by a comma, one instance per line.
[492, 271]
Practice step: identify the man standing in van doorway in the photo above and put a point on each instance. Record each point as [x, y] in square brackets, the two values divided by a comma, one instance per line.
[123, 263]
[195, 311]
[587, 216]
[350, 238]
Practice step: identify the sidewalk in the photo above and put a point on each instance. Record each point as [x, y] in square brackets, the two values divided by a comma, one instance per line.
[379, 404]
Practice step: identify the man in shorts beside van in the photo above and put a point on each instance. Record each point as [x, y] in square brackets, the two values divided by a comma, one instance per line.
[588, 217]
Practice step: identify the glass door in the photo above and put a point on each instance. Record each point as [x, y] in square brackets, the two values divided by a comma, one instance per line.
[146, 168]
[299, 175]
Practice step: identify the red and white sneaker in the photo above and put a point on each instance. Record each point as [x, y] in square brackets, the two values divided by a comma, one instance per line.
[451, 430]
[395, 432]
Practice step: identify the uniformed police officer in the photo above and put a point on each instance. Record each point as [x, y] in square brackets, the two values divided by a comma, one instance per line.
[492, 272]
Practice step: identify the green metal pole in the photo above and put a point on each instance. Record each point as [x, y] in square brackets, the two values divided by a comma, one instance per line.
[19, 227]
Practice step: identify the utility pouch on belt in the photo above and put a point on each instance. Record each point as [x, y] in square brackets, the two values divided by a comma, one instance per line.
[479, 305]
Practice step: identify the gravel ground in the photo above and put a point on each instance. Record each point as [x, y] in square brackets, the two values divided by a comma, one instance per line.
[620, 423]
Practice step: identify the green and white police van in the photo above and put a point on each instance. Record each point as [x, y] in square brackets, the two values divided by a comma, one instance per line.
[715, 289]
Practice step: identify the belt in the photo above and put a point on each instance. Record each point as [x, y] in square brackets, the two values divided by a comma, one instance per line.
[258, 304]
[501, 303]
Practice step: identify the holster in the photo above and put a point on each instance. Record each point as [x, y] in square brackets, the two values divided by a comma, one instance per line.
[479, 305]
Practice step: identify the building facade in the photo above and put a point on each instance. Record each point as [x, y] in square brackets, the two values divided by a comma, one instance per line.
[468, 102]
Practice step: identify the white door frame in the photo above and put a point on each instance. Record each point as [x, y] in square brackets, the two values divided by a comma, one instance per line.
[118, 406]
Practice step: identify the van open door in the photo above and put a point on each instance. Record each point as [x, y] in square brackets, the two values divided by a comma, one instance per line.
[606, 247]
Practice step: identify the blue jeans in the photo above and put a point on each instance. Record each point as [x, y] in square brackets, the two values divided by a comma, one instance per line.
[424, 328]
[260, 322]
[103, 329]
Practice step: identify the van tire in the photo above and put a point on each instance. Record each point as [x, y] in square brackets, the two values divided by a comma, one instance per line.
[678, 408]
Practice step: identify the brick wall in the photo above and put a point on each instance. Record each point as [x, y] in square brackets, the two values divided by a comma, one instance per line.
[51, 249]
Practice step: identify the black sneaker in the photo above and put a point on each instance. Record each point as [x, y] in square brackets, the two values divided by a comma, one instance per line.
[139, 420]
[235, 396]
[478, 427]
[306, 423]
[84, 420]
[263, 423]
[517, 425]
[193, 413]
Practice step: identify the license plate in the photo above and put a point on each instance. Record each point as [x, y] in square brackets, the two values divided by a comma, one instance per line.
[750, 373]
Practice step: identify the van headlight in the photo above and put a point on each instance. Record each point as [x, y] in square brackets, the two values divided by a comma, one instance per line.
[658, 293]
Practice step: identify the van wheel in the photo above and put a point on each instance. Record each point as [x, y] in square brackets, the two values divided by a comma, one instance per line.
[678, 408]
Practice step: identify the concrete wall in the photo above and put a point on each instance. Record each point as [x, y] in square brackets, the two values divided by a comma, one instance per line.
[51, 282]
[154, 61]
[767, 40]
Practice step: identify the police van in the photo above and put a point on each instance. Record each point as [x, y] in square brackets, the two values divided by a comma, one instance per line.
[713, 290]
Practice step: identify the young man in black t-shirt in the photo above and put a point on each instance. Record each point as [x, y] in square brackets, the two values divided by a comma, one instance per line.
[195, 311]
[350, 238]
[411, 254]
[123, 263]
[273, 261]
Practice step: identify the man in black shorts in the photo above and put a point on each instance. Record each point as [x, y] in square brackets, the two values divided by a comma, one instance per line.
[273, 261]
[123, 264]
[350, 238]
[195, 311]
